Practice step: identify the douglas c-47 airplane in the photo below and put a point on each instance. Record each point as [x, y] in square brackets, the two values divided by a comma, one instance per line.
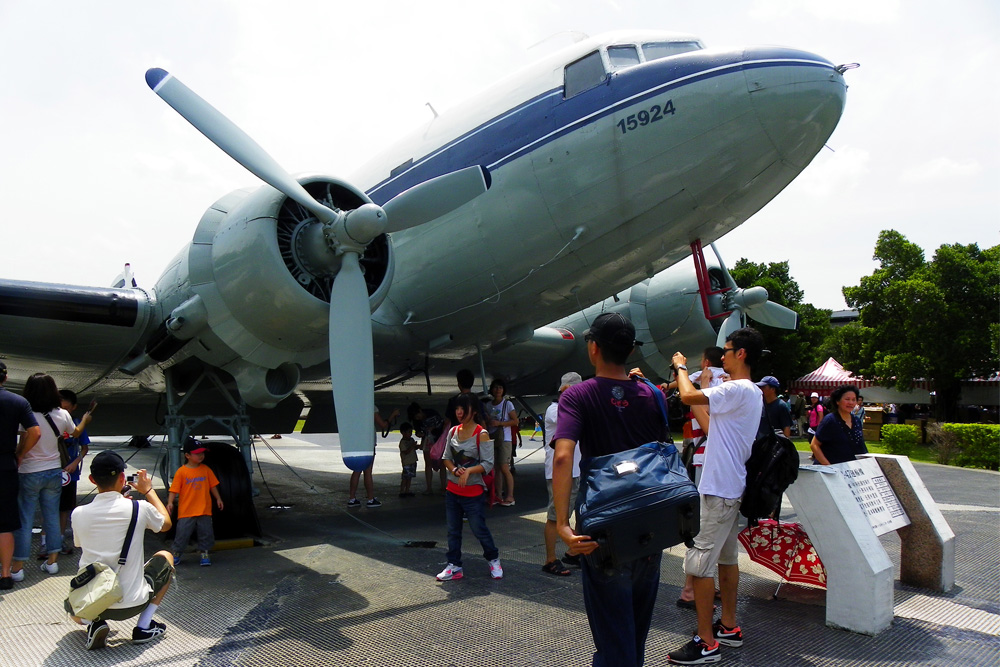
[470, 243]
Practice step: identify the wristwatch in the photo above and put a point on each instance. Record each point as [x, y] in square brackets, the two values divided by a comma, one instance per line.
[680, 367]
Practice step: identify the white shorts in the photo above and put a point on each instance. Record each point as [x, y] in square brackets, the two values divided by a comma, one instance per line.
[573, 489]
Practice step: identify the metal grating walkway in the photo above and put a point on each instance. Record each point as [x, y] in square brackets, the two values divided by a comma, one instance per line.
[332, 589]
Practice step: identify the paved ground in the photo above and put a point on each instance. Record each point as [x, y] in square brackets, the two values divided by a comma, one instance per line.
[339, 586]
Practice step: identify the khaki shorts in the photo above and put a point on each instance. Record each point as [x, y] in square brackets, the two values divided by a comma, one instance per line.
[157, 572]
[501, 453]
[551, 516]
[716, 542]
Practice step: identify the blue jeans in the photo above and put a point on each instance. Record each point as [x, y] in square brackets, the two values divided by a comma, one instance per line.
[38, 488]
[474, 508]
[620, 609]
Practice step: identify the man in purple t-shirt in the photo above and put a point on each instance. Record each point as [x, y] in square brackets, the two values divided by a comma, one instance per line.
[606, 414]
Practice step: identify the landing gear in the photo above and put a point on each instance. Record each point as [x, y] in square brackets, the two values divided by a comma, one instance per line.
[180, 426]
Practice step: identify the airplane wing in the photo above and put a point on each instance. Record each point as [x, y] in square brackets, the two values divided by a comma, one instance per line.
[79, 335]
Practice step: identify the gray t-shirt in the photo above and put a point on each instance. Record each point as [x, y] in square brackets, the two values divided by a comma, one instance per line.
[467, 453]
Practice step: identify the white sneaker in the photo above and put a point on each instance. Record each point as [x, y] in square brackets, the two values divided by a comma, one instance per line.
[495, 570]
[450, 573]
[51, 568]
[17, 576]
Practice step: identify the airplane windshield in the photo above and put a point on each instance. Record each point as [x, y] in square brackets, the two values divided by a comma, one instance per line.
[657, 50]
[583, 74]
[623, 56]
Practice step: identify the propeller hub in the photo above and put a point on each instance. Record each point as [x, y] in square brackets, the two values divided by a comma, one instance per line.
[748, 298]
[353, 231]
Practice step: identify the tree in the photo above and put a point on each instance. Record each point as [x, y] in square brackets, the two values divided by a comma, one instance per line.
[792, 353]
[937, 320]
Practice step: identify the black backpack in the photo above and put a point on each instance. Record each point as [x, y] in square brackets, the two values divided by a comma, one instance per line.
[772, 467]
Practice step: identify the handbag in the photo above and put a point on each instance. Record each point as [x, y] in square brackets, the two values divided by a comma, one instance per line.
[64, 457]
[437, 451]
[636, 503]
[96, 586]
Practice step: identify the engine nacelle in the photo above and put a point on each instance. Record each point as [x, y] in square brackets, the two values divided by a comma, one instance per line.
[251, 293]
[668, 316]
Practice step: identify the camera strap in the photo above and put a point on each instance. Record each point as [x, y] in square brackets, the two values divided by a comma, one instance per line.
[128, 534]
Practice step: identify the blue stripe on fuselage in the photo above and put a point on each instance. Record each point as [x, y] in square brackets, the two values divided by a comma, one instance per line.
[548, 116]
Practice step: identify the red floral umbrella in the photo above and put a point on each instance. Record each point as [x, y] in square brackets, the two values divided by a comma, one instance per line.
[785, 549]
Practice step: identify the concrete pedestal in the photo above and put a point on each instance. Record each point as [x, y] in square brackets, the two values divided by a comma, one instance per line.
[927, 549]
[859, 574]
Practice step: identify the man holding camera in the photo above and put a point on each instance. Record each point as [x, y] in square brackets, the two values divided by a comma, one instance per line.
[99, 528]
[735, 408]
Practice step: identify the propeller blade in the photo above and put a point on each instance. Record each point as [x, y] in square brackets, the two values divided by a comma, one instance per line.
[732, 323]
[226, 135]
[774, 315]
[432, 199]
[351, 367]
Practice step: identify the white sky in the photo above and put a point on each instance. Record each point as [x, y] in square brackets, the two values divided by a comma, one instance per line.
[95, 170]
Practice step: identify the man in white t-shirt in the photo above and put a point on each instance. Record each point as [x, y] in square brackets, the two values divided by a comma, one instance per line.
[735, 408]
[99, 529]
[553, 565]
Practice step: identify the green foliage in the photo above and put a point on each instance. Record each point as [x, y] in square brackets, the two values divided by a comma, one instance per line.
[899, 439]
[978, 444]
[793, 353]
[937, 320]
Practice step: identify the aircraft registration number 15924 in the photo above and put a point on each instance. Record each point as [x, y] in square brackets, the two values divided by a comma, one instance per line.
[645, 117]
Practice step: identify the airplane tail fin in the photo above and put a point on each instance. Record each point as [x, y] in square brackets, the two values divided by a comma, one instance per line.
[125, 278]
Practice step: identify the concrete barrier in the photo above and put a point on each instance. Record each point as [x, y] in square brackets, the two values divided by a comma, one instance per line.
[927, 545]
[859, 573]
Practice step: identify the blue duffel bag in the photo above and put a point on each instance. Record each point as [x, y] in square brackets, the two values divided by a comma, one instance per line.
[636, 503]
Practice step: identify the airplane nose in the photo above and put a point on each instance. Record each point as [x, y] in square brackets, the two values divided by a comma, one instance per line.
[798, 98]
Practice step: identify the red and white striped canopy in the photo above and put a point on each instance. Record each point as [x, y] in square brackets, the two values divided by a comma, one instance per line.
[832, 374]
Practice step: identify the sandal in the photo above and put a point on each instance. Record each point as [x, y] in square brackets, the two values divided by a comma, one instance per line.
[556, 568]
[507, 503]
[689, 604]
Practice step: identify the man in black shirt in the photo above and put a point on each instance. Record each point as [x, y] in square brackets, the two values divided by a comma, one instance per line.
[15, 412]
[777, 411]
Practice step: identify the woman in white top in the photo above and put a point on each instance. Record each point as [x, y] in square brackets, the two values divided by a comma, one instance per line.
[40, 473]
[502, 422]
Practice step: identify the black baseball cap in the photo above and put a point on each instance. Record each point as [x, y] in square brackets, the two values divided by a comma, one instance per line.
[107, 464]
[192, 446]
[613, 329]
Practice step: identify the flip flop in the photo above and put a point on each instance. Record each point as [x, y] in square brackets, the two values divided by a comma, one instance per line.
[507, 503]
[556, 568]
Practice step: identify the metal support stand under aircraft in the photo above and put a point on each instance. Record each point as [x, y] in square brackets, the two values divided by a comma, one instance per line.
[179, 426]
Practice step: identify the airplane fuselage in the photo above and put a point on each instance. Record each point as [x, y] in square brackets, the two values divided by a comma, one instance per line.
[633, 168]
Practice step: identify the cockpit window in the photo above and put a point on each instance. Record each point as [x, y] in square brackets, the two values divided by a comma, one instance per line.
[657, 50]
[583, 74]
[623, 56]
